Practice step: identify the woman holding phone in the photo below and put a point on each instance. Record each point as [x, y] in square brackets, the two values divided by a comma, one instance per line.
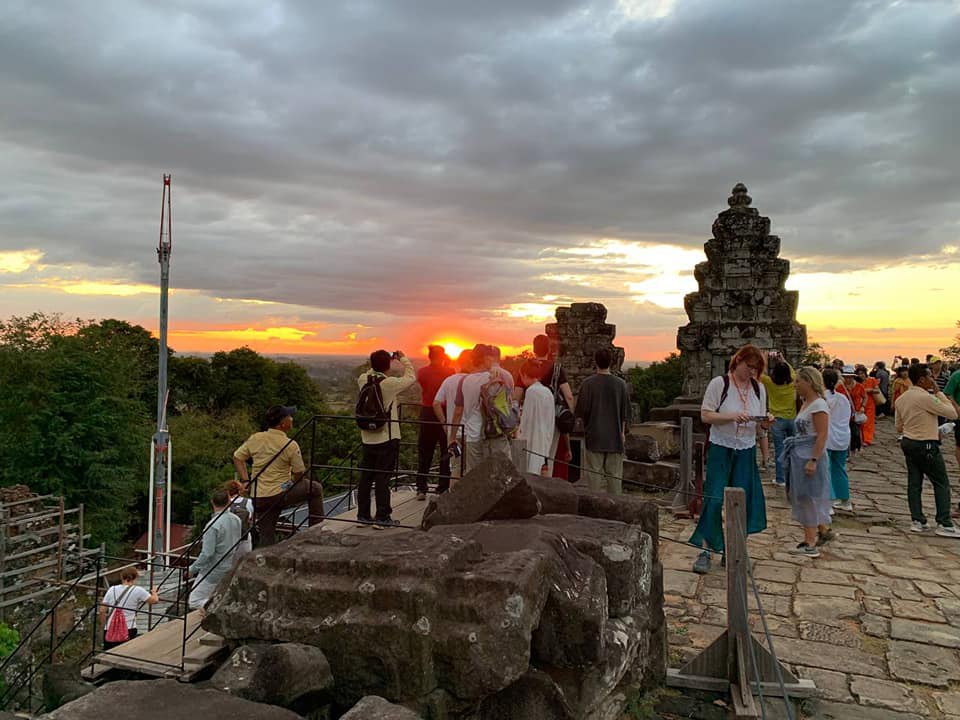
[732, 405]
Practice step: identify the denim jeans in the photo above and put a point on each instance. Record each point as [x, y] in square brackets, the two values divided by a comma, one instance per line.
[923, 458]
[781, 430]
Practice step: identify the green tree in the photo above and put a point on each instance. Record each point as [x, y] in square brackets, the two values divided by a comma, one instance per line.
[952, 353]
[71, 420]
[816, 355]
[656, 385]
[202, 455]
[243, 378]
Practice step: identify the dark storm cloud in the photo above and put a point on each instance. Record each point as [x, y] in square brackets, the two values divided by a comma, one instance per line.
[349, 155]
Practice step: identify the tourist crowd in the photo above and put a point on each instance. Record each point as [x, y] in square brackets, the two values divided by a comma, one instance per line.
[817, 417]
[473, 410]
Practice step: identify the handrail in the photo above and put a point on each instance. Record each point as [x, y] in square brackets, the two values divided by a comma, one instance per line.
[310, 425]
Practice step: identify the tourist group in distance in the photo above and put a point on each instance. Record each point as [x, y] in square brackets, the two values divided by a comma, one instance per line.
[472, 409]
[817, 417]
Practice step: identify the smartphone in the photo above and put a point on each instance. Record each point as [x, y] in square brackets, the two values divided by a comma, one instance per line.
[758, 418]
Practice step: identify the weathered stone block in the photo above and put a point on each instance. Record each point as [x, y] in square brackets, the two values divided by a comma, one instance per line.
[493, 490]
[291, 675]
[624, 552]
[372, 707]
[395, 616]
[641, 448]
[623, 508]
[165, 699]
[570, 632]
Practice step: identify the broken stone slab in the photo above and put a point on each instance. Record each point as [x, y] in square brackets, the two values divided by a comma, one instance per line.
[641, 448]
[162, 700]
[666, 435]
[535, 696]
[291, 675]
[494, 490]
[556, 496]
[662, 475]
[395, 616]
[842, 711]
[628, 647]
[373, 707]
[929, 665]
[62, 684]
[624, 552]
[885, 694]
[829, 657]
[933, 634]
[623, 508]
[570, 632]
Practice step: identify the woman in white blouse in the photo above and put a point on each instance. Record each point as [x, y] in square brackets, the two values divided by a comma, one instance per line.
[733, 405]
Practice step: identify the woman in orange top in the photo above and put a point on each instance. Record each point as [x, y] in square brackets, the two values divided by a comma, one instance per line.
[870, 387]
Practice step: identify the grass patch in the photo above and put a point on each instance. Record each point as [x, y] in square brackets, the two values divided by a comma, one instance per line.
[643, 705]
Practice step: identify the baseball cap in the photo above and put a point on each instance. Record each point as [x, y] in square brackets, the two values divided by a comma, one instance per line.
[934, 359]
[276, 413]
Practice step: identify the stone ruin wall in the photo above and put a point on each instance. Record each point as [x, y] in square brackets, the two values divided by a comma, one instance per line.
[741, 297]
[580, 330]
[524, 598]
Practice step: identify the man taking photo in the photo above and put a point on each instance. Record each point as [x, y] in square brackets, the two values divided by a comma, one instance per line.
[917, 411]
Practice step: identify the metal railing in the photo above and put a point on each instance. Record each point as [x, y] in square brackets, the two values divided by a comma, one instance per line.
[176, 562]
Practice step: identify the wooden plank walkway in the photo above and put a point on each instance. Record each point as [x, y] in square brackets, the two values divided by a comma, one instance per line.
[158, 652]
[406, 508]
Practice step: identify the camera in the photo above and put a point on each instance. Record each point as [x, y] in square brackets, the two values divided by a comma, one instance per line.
[455, 450]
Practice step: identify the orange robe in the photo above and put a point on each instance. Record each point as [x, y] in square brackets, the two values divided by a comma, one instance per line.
[870, 426]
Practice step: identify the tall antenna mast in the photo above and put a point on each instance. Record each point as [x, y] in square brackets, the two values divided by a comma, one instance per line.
[158, 536]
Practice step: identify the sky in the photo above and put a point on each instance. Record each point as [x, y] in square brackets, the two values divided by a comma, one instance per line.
[383, 173]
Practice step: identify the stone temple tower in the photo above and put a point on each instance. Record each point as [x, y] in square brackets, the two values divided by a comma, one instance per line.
[741, 298]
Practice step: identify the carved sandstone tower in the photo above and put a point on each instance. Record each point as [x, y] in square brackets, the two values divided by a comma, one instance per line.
[741, 298]
[580, 330]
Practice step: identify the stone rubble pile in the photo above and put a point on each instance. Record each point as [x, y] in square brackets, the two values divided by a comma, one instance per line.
[554, 607]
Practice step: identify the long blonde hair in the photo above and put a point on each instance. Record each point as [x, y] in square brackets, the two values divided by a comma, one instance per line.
[813, 376]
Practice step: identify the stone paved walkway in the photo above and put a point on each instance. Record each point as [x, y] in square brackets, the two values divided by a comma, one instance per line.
[875, 621]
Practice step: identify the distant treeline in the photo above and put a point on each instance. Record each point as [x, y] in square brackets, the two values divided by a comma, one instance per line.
[78, 406]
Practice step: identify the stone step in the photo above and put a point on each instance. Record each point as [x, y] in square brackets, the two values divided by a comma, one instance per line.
[212, 640]
[201, 655]
[662, 475]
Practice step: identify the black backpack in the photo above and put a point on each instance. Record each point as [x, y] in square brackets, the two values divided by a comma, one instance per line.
[370, 412]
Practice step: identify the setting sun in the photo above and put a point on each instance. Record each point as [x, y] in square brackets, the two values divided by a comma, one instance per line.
[453, 348]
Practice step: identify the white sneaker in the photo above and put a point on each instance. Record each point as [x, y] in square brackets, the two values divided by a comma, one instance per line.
[843, 505]
[918, 527]
[951, 531]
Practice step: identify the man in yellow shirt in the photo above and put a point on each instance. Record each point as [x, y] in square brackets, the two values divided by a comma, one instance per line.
[917, 413]
[280, 477]
[782, 404]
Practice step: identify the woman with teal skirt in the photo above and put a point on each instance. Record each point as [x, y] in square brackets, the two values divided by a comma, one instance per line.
[731, 406]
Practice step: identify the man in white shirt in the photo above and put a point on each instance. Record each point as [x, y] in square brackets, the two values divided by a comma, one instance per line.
[445, 406]
[486, 360]
[537, 421]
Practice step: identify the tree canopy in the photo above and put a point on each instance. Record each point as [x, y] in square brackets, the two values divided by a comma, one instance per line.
[78, 407]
